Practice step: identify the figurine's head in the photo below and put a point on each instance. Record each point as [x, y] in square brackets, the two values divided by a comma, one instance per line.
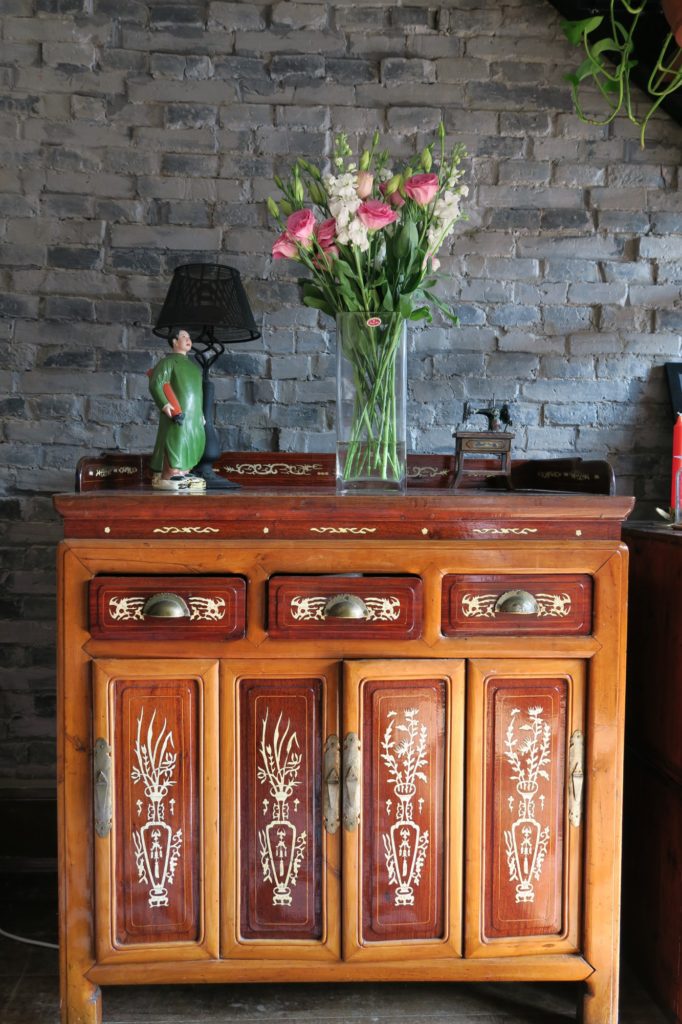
[181, 343]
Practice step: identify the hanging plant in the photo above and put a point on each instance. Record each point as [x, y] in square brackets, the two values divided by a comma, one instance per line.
[610, 44]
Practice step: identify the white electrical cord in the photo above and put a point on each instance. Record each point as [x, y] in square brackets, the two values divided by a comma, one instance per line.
[29, 942]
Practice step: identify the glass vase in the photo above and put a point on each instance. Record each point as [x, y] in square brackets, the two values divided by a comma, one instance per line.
[371, 386]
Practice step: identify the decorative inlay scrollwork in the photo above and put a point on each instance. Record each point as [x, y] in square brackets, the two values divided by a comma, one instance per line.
[425, 472]
[527, 840]
[505, 529]
[157, 847]
[482, 606]
[343, 529]
[282, 847]
[105, 471]
[310, 609]
[405, 843]
[186, 529]
[203, 609]
[276, 469]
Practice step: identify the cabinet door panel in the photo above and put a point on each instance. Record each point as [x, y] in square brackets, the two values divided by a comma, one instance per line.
[402, 861]
[278, 858]
[523, 855]
[156, 895]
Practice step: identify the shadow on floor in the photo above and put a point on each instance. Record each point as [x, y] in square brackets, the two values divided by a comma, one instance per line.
[29, 989]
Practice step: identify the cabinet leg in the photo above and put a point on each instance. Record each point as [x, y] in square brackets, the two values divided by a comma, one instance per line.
[600, 999]
[81, 1002]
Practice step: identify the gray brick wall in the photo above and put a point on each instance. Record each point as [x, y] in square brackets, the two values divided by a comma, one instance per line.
[144, 135]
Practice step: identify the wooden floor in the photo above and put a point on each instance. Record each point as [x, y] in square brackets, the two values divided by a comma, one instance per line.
[29, 989]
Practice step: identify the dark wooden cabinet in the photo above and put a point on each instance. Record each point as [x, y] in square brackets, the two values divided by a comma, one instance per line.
[652, 855]
[345, 776]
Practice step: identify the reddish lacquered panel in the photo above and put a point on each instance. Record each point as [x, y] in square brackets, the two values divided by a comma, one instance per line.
[280, 771]
[314, 607]
[525, 858]
[157, 866]
[129, 607]
[403, 821]
[560, 604]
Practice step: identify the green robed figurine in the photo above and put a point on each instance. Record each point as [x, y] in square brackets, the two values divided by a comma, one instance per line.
[175, 385]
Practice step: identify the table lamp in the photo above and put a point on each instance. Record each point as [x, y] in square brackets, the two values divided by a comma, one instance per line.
[209, 302]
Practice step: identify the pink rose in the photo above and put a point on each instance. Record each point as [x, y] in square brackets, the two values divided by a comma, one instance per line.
[365, 184]
[300, 225]
[284, 248]
[375, 214]
[325, 233]
[422, 188]
[395, 198]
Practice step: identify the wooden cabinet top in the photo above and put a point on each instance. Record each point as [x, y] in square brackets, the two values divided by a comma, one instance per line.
[284, 513]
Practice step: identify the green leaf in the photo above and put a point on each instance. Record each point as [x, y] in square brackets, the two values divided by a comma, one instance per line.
[406, 241]
[344, 270]
[405, 305]
[423, 313]
[587, 68]
[574, 30]
[604, 45]
[445, 310]
[310, 300]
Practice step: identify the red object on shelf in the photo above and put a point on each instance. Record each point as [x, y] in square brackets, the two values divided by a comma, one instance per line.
[677, 456]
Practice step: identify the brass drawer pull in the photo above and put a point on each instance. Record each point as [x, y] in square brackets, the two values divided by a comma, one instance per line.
[345, 606]
[516, 602]
[166, 606]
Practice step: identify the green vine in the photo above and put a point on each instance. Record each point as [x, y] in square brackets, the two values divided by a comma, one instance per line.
[610, 60]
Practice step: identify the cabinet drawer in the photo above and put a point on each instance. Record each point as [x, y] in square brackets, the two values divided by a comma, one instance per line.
[361, 607]
[167, 607]
[507, 605]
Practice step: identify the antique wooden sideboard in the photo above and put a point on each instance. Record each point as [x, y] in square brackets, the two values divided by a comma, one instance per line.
[311, 737]
[652, 842]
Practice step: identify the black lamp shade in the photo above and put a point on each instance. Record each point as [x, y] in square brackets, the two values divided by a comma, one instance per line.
[209, 301]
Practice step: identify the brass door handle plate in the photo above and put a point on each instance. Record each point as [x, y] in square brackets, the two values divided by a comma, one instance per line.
[331, 792]
[576, 777]
[351, 782]
[101, 770]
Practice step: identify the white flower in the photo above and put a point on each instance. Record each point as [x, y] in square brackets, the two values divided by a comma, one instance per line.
[355, 233]
[341, 187]
[342, 210]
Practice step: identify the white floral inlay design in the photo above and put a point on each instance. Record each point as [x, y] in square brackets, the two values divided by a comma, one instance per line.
[282, 847]
[527, 840]
[404, 752]
[157, 846]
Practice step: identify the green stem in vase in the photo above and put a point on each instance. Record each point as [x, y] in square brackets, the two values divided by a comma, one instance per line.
[373, 441]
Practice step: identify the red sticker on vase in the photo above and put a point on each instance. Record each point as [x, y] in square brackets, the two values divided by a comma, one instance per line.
[374, 321]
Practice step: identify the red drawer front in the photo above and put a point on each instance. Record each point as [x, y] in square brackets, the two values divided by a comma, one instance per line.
[123, 607]
[309, 606]
[496, 604]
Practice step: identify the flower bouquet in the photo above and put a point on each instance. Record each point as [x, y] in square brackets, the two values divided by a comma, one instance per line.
[369, 236]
